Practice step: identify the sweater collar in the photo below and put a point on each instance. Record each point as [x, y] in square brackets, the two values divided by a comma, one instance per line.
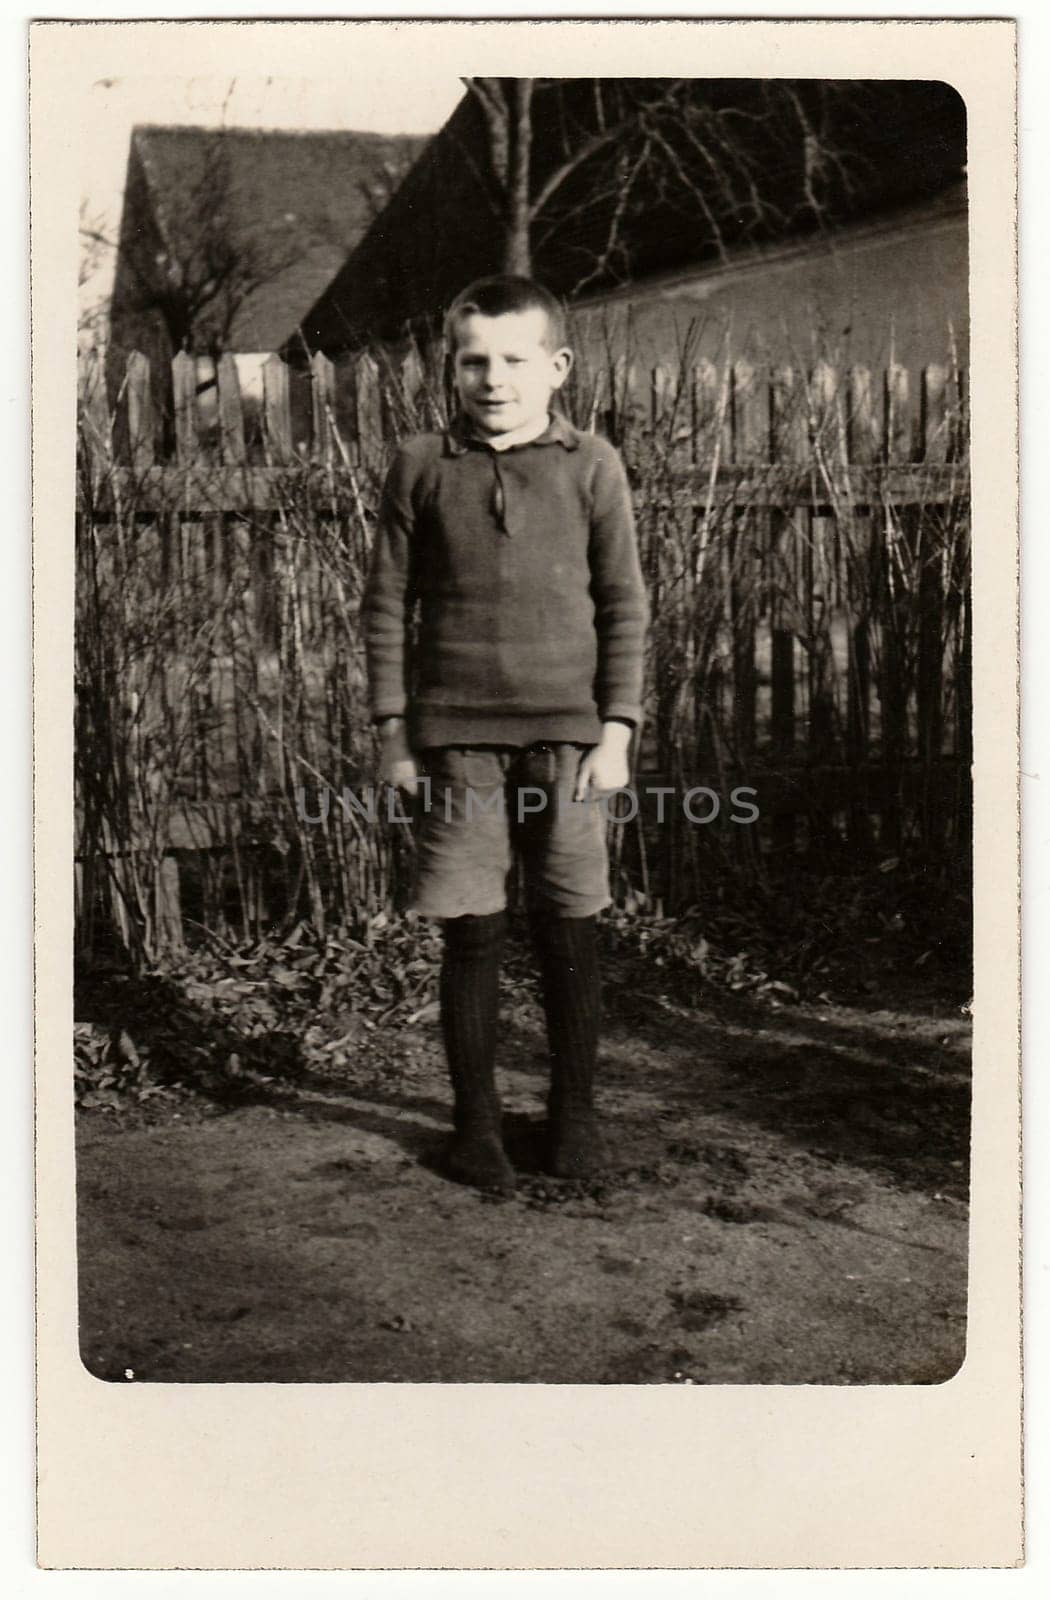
[460, 437]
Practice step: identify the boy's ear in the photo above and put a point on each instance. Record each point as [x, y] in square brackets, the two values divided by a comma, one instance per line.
[562, 362]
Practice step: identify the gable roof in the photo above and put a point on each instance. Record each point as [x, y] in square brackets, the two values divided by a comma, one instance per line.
[906, 142]
[301, 195]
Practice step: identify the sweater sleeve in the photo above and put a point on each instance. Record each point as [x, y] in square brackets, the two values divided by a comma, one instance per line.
[386, 611]
[621, 605]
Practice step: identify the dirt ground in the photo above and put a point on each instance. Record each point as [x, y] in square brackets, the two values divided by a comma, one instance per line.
[788, 1204]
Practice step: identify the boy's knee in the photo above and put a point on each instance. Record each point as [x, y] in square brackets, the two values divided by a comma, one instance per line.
[552, 930]
[543, 916]
[472, 933]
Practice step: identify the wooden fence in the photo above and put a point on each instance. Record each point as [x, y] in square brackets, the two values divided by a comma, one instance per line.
[847, 422]
[805, 539]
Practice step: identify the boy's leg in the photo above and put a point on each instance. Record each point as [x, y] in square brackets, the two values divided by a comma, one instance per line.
[563, 848]
[463, 853]
[567, 950]
[469, 1021]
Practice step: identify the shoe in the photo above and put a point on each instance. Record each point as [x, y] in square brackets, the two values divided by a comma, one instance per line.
[475, 1156]
[575, 1146]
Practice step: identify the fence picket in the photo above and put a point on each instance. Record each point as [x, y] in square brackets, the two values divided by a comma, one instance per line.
[168, 904]
[897, 428]
[861, 420]
[934, 409]
[323, 397]
[93, 412]
[750, 413]
[893, 688]
[742, 619]
[344, 403]
[277, 409]
[928, 684]
[789, 422]
[826, 421]
[782, 660]
[858, 673]
[958, 419]
[231, 411]
[661, 397]
[713, 403]
[184, 386]
[412, 380]
[370, 430]
[141, 416]
[594, 406]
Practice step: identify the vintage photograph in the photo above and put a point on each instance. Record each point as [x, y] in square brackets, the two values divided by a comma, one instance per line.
[523, 731]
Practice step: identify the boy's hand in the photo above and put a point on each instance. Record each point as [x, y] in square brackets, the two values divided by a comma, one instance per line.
[606, 766]
[397, 764]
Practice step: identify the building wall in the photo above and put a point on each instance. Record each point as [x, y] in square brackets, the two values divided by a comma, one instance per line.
[893, 291]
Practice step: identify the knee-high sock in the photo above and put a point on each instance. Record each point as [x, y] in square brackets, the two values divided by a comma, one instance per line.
[469, 991]
[567, 948]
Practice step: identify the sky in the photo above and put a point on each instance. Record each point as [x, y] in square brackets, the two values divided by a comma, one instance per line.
[379, 103]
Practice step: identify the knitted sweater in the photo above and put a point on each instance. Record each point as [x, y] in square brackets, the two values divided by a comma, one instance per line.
[532, 610]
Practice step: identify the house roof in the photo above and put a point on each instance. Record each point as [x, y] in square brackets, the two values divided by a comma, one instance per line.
[302, 196]
[904, 142]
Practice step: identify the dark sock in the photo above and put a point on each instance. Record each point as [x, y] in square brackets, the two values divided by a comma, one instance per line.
[567, 948]
[469, 991]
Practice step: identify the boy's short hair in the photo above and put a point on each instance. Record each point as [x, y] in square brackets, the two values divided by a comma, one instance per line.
[506, 293]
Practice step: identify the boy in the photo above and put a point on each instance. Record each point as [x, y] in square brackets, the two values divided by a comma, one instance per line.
[514, 534]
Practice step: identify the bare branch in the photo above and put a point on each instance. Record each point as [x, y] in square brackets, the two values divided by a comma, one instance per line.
[599, 105]
[701, 199]
[488, 92]
[606, 135]
[584, 152]
[627, 172]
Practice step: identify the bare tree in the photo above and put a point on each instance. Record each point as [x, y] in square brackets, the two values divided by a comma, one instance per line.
[506, 104]
[196, 272]
[734, 161]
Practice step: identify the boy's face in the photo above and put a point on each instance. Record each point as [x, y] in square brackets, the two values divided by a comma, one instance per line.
[504, 371]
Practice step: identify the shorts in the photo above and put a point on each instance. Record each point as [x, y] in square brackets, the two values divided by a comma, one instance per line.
[482, 806]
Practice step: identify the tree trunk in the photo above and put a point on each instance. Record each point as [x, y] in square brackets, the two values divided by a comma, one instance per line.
[517, 254]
